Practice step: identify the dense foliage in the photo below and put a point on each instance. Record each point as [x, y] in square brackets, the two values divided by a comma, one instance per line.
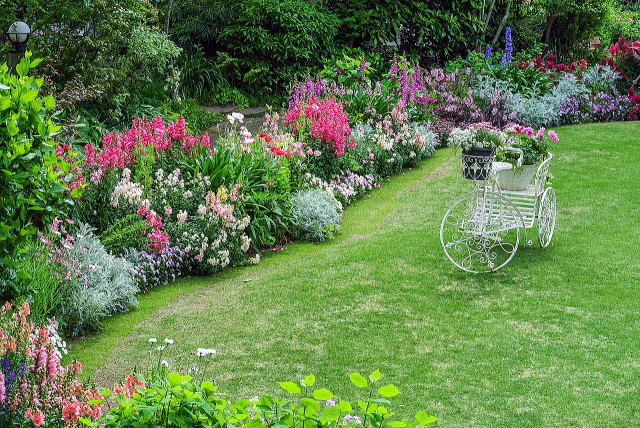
[32, 178]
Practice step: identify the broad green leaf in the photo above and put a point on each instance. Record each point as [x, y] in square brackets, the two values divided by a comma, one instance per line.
[422, 418]
[344, 407]
[310, 380]
[35, 63]
[322, 394]
[5, 103]
[49, 102]
[375, 376]
[290, 387]
[332, 413]
[396, 424]
[358, 380]
[388, 391]
[105, 392]
[12, 127]
[174, 379]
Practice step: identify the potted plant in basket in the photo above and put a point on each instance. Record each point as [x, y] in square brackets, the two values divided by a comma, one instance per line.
[535, 148]
[478, 144]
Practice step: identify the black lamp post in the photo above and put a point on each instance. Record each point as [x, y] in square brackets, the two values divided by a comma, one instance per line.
[18, 34]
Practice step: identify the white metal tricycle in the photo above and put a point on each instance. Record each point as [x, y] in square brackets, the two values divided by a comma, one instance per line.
[481, 230]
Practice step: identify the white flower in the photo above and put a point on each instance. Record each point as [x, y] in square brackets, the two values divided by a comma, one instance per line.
[203, 352]
[182, 217]
[153, 340]
[238, 116]
[231, 119]
[165, 363]
[168, 341]
[161, 348]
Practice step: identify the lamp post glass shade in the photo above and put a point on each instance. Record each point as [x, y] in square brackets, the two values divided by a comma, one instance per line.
[18, 33]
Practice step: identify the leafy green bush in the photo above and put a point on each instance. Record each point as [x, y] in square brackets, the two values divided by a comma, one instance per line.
[172, 400]
[128, 232]
[198, 118]
[621, 25]
[433, 30]
[258, 45]
[31, 187]
[316, 214]
[45, 290]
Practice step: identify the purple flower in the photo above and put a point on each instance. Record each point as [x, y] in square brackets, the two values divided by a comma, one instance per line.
[508, 48]
[487, 52]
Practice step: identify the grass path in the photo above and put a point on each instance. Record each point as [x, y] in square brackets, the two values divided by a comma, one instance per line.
[551, 340]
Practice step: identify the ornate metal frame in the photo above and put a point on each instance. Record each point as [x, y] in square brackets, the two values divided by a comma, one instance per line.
[481, 231]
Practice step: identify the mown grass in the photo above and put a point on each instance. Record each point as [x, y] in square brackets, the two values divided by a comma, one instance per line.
[551, 340]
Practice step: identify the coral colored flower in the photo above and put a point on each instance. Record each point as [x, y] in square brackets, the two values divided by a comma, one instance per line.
[37, 417]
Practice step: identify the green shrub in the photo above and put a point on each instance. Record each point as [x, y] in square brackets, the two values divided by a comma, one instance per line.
[128, 232]
[433, 30]
[45, 290]
[198, 118]
[258, 45]
[31, 190]
[224, 94]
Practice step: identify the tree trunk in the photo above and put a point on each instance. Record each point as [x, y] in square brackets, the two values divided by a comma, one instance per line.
[547, 31]
[486, 17]
[173, 75]
[502, 23]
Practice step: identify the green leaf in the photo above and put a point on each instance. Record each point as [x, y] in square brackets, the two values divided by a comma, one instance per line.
[105, 392]
[375, 376]
[396, 424]
[358, 380]
[322, 394]
[310, 380]
[422, 418]
[290, 387]
[344, 407]
[332, 413]
[174, 379]
[49, 102]
[12, 127]
[388, 391]
[5, 103]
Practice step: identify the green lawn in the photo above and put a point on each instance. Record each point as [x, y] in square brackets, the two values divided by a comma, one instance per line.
[552, 339]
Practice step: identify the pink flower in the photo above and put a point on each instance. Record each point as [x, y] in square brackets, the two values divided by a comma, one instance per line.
[37, 417]
[3, 391]
[553, 136]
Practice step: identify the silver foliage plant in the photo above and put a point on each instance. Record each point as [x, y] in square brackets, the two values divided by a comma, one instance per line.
[538, 110]
[316, 214]
[601, 77]
[107, 285]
